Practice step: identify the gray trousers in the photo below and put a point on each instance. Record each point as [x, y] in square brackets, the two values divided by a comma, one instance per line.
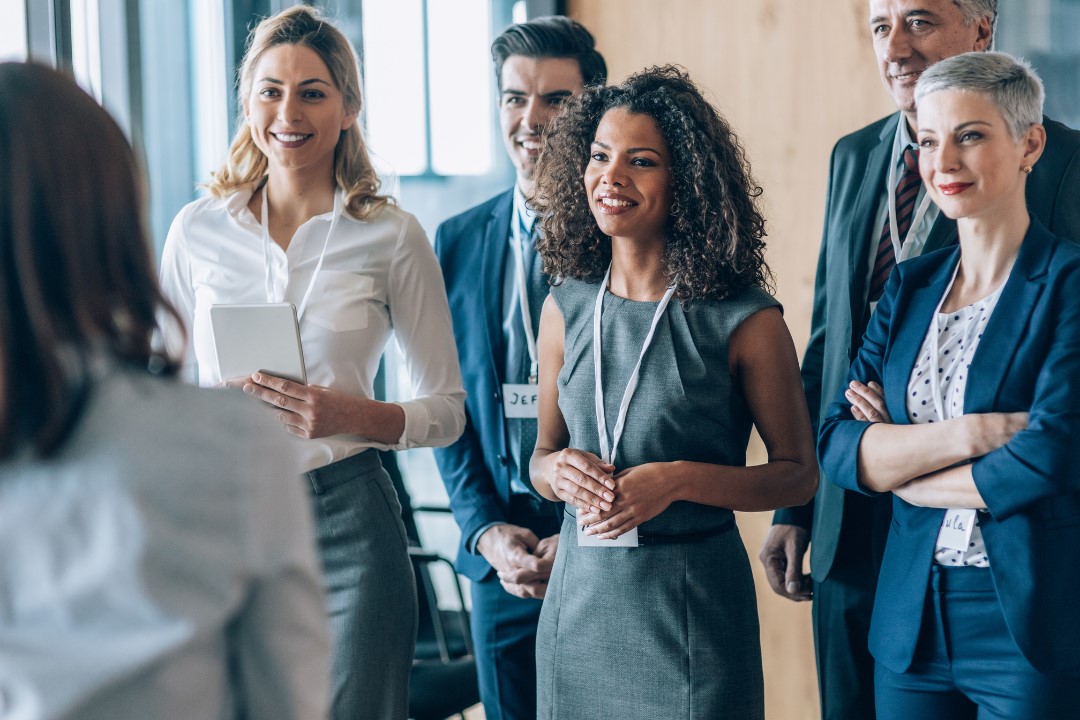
[370, 588]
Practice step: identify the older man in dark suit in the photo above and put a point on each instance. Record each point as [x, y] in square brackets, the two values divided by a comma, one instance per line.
[877, 213]
[496, 290]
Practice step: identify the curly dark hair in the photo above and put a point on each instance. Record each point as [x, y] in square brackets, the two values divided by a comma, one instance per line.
[715, 239]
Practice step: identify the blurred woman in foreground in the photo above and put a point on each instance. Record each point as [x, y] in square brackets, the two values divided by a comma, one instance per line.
[147, 569]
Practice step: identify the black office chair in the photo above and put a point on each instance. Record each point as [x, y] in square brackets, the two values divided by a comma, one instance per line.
[443, 680]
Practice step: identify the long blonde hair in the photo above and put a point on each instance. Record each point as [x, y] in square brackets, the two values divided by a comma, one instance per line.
[353, 171]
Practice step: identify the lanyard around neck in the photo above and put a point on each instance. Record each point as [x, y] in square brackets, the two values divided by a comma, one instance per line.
[264, 222]
[523, 294]
[607, 454]
[902, 250]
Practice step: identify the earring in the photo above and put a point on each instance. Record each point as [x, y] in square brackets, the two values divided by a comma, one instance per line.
[1026, 169]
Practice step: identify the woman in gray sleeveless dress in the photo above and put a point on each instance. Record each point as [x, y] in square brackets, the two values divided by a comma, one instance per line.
[650, 226]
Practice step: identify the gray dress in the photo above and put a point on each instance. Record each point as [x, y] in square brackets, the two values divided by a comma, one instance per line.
[669, 630]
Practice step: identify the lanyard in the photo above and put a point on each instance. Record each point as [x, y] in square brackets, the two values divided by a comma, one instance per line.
[903, 250]
[523, 295]
[606, 454]
[937, 394]
[267, 243]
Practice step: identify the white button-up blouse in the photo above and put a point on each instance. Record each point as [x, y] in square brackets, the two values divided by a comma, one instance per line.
[379, 276]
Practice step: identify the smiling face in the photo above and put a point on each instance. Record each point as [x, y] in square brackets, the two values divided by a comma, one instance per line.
[971, 164]
[294, 111]
[532, 91]
[628, 178]
[911, 35]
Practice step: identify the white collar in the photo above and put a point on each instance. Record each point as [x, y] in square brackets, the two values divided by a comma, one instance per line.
[236, 205]
[904, 138]
[527, 215]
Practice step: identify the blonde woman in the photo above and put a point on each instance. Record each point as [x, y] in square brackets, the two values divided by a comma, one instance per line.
[294, 216]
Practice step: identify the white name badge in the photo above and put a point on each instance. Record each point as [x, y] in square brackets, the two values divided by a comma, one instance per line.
[628, 539]
[520, 401]
[955, 533]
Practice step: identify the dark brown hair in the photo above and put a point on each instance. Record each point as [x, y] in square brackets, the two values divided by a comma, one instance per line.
[551, 36]
[77, 281]
[715, 239]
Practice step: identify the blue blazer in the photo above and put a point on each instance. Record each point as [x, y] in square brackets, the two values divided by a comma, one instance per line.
[472, 249]
[857, 172]
[1028, 360]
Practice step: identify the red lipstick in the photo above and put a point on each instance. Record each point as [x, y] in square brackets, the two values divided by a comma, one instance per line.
[954, 188]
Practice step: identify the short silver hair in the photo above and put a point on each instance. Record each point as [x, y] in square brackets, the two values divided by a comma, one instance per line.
[975, 10]
[1009, 82]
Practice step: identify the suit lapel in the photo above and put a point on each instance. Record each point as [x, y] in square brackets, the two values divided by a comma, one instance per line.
[911, 322]
[862, 231]
[1005, 329]
[493, 260]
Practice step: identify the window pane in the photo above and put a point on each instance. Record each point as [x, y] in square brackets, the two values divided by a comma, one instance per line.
[520, 12]
[459, 66]
[210, 75]
[394, 84]
[13, 31]
[1044, 33]
[85, 46]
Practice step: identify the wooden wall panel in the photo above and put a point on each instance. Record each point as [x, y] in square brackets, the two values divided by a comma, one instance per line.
[792, 77]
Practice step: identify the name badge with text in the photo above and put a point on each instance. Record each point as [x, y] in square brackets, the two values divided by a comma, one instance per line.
[955, 533]
[628, 539]
[520, 401]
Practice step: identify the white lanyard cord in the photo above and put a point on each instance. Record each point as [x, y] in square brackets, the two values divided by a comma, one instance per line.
[265, 223]
[608, 454]
[902, 250]
[523, 295]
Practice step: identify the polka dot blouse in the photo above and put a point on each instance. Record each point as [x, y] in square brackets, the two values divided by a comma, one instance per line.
[958, 335]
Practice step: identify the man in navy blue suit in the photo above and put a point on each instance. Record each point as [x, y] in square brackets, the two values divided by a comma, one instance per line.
[496, 290]
[874, 217]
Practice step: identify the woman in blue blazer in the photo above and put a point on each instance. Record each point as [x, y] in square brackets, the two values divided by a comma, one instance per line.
[964, 402]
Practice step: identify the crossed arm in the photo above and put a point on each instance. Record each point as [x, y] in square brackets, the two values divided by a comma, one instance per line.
[925, 464]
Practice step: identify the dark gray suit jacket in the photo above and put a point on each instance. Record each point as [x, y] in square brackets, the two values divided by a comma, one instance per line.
[857, 178]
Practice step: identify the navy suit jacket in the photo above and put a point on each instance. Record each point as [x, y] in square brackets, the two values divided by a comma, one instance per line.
[1028, 360]
[857, 177]
[472, 249]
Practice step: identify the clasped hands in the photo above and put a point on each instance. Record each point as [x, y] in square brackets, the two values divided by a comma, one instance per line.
[309, 411]
[609, 504]
[522, 561]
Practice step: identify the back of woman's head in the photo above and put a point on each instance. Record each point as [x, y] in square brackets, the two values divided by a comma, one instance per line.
[76, 273]
[353, 169]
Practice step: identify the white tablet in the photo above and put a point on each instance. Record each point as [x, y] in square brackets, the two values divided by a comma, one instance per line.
[252, 338]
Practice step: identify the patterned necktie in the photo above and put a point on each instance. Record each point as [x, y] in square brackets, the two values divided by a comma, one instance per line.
[907, 190]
